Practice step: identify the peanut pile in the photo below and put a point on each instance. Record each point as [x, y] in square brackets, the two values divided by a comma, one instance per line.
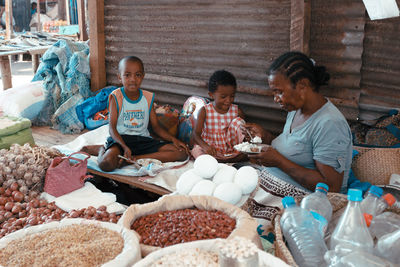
[167, 228]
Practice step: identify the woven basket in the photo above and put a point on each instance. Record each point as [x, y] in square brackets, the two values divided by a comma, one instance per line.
[375, 165]
[338, 202]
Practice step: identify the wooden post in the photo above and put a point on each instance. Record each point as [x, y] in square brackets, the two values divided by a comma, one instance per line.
[38, 26]
[83, 36]
[5, 69]
[9, 19]
[61, 10]
[300, 24]
[35, 62]
[97, 45]
[67, 11]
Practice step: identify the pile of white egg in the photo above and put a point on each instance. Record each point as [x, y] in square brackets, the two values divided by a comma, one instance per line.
[210, 178]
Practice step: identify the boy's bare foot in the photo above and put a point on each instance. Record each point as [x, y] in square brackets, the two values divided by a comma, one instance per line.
[91, 150]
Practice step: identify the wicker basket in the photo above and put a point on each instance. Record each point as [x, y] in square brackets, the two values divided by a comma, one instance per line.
[375, 165]
[338, 202]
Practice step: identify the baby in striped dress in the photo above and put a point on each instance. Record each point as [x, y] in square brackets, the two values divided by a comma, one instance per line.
[218, 125]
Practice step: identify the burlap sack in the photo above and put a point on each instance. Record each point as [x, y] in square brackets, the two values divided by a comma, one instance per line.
[246, 226]
[128, 256]
[264, 258]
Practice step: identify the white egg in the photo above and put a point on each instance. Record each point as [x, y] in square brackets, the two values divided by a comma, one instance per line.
[205, 166]
[186, 182]
[247, 178]
[224, 175]
[203, 188]
[228, 192]
[221, 165]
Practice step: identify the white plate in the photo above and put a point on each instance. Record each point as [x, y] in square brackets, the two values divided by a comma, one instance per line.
[257, 146]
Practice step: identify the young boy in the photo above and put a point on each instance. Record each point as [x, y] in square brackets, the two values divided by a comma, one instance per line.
[131, 109]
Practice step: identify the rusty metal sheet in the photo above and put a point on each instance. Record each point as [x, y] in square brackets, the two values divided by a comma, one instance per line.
[380, 73]
[337, 34]
[183, 42]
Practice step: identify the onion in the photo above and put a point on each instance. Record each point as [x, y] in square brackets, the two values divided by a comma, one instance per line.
[9, 205]
[3, 200]
[18, 196]
[14, 186]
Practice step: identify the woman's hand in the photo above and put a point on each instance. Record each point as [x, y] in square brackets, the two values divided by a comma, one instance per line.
[254, 129]
[268, 157]
[180, 145]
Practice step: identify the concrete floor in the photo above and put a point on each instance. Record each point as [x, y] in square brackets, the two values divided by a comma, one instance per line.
[22, 73]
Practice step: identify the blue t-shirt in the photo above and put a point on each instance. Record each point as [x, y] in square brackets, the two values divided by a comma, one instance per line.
[324, 137]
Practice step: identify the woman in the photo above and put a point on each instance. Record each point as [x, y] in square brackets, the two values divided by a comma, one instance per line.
[315, 145]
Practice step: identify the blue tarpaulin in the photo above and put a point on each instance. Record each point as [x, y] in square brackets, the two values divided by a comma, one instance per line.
[66, 73]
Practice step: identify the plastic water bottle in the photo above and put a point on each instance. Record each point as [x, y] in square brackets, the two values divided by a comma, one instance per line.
[360, 258]
[299, 228]
[384, 202]
[347, 256]
[383, 224]
[319, 206]
[352, 229]
[388, 247]
[370, 203]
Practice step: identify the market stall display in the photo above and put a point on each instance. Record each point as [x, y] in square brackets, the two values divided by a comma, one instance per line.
[70, 242]
[16, 213]
[167, 228]
[244, 225]
[26, 167]
[210, 178]
[338, 202]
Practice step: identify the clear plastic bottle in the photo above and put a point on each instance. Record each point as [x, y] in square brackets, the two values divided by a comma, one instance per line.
[383, 224]
[388, 247]
[319, 206]
[370, 203]
[360, 258]
[352, 229]
[299, 228]
[384, 202]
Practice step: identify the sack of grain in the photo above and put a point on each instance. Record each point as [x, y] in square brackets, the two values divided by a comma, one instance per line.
[71, 242]
[196, 252]
[246, 226]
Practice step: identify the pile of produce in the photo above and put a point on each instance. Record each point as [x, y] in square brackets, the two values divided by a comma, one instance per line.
[74, 245]
[167, 228]
[16, 214]
[210, 178]
[26, 166]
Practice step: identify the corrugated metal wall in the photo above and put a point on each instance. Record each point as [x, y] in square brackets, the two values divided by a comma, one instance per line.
[183, 42]
[380, 73]
[337, 34]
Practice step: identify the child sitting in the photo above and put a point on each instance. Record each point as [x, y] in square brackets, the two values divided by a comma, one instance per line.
[131, 109]
[218, 125]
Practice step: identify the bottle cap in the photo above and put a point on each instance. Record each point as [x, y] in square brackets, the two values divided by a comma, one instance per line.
[390, 199]
[368, 218]
[322, 187]
[377, 191]
[354, 195]
[288, 201]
